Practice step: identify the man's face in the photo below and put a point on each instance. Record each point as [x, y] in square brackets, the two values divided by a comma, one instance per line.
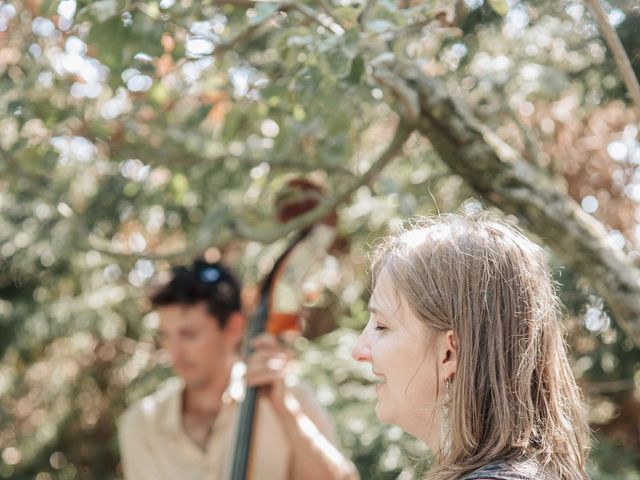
[200, 350]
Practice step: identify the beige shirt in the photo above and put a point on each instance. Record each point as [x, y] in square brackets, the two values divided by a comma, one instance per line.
[154, 445]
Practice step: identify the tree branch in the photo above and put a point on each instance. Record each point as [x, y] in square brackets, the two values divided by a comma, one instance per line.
[331, 23]
[309, 12]
[329, 11]
[220, 226]
[502, 176]
[530, 143]
[214, 230]
[617, 49]
[407, 96]
[242, 37]
[413, 28]
[102, 246]
[612, 386]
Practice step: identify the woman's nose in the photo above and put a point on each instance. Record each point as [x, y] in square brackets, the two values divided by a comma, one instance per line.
[361, 351]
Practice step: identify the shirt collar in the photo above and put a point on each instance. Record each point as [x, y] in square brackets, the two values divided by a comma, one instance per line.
[169, 411]
[169, 404]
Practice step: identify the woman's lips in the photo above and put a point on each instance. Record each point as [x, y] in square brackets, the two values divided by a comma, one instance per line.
[380, 381]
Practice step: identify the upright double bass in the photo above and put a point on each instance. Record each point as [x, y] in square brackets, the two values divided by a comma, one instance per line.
[279, 307]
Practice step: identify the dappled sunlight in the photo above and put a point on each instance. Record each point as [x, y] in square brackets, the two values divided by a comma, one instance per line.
[139, 135]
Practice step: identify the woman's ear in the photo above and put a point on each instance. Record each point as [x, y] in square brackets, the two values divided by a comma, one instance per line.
[449, 354]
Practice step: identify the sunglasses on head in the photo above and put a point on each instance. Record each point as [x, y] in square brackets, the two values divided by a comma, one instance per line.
[209, 273]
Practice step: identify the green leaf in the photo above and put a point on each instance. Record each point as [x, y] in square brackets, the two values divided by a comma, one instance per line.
[357, 70]
[232, 123]
[103, 10]
[351, 43]
[307, 83]
[263, 11]
[110, 38]
[389, 5]
[348, 14]
[334, 150]
[299, 40]
[47, 8]
[379, 26]
[198, 116]
[180, 185]
[213, 221]
[339, 62]
[501, 7]
[117, 44]
[159, 94]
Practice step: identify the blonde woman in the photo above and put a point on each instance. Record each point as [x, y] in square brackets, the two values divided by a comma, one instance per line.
[465, 338]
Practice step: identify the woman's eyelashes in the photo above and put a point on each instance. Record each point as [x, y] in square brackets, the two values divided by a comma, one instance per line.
[379, 328]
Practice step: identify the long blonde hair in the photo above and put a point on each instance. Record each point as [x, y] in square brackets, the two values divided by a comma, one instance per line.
[513, 396]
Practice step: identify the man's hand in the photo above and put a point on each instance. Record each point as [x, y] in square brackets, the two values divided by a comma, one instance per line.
[269, 366]
[314, 457]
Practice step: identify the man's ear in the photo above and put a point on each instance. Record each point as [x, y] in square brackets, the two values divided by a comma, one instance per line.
[449, 354]
[234, 328]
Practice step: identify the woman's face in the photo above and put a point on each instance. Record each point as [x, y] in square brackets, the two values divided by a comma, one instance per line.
[403, 355]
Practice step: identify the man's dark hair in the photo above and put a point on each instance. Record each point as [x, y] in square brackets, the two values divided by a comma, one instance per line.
[211, 283]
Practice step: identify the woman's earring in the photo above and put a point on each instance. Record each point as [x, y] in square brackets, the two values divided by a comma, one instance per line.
[445, 429]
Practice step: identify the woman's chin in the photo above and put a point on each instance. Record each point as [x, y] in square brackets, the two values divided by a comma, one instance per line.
[383, 413]
[387, 417]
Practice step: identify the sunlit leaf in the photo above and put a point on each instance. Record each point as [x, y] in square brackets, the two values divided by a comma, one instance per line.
[501, 7]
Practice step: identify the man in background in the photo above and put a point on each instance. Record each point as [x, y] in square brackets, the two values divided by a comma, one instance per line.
[185, 430]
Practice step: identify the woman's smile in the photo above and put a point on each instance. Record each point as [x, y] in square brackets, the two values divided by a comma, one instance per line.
[394, 343]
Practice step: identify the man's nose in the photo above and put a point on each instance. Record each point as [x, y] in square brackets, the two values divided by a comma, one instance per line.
[361, 351]
[174, 351]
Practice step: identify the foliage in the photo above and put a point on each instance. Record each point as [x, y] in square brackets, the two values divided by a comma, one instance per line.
[137, 134]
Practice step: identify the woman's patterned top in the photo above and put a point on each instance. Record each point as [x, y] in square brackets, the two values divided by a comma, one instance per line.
[504, 471]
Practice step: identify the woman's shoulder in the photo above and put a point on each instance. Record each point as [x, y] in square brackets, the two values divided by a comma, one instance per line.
[504, 471]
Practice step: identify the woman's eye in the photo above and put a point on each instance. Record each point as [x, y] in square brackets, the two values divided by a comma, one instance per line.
[380, 328]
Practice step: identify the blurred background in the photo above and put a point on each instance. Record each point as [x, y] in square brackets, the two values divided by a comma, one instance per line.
[139, 134]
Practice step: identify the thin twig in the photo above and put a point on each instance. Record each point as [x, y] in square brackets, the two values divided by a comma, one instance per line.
[411, 28]
[407, 96]
[329, 11]
[459, 12]
[530, 144]
[532, 150]
[243, 36]
[309, 12]
[241, 3]
[617, 49]
[217, 221]
[186, 252]
[612, 386]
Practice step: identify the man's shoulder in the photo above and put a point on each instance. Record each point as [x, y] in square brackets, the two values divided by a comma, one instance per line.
[154, 406]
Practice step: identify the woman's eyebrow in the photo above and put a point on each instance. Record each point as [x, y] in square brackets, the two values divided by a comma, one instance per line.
[372, 308]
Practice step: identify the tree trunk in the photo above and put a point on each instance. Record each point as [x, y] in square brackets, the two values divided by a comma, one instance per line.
[504, 178]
